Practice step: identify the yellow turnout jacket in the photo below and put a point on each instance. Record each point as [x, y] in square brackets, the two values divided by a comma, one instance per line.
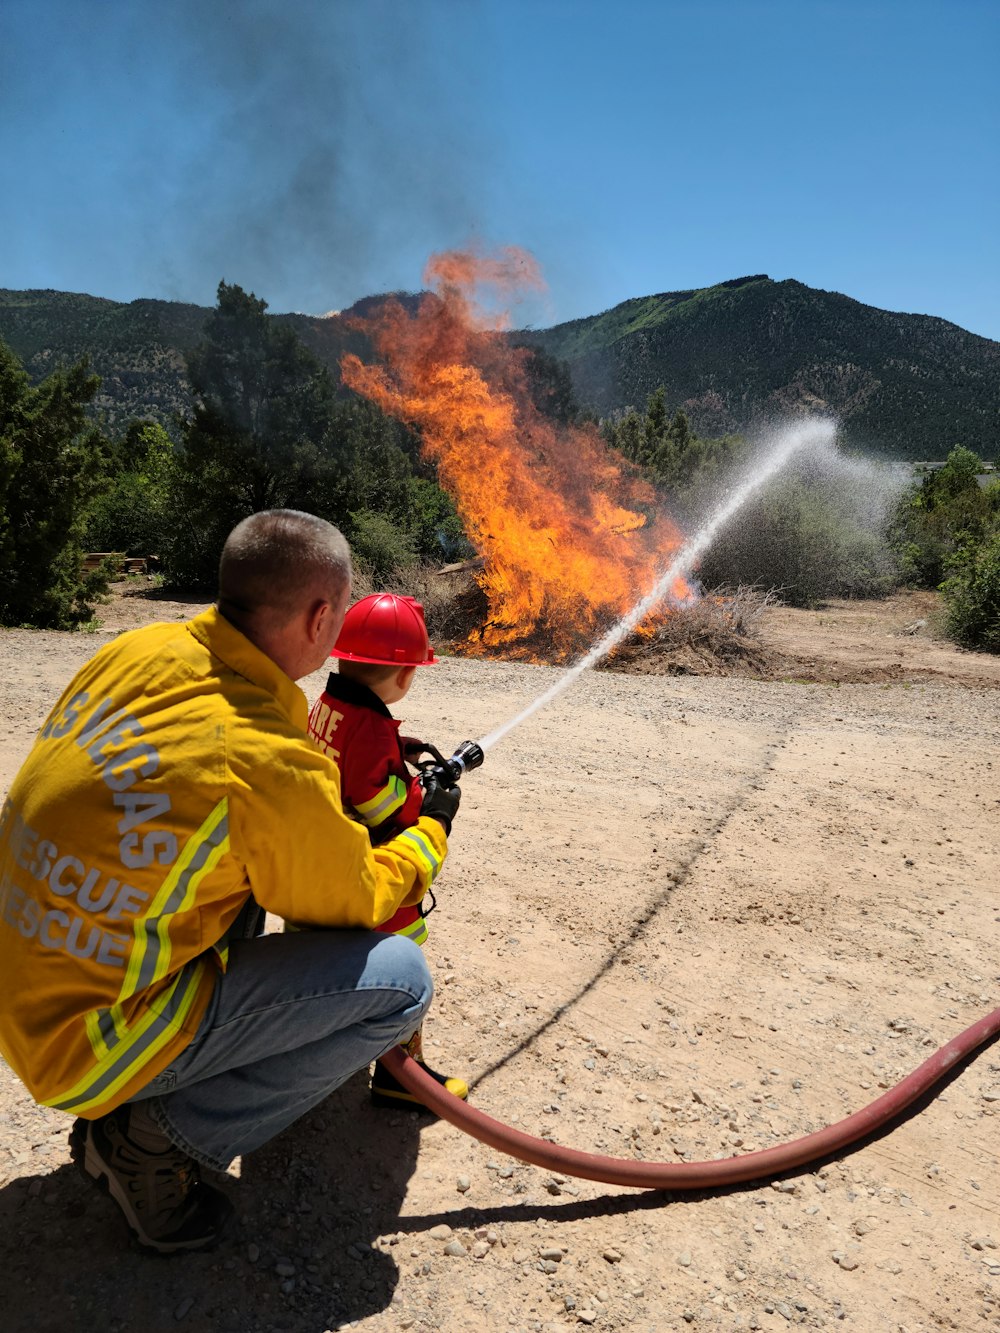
[173, 778]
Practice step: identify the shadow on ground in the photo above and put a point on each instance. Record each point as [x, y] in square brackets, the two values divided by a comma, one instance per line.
[300, 1256]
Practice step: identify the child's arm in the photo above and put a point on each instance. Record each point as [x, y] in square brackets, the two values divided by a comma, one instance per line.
[375, 781]
[385, 797]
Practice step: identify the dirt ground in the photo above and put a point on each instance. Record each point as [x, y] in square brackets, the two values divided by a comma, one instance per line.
[683, 917]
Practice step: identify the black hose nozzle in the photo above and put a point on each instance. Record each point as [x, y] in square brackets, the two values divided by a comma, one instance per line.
[449, 772]
[468, 756]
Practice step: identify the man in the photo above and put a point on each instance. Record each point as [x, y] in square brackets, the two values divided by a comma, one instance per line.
[173, 795]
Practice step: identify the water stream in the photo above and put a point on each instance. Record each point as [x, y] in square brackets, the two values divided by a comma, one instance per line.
[781, 447]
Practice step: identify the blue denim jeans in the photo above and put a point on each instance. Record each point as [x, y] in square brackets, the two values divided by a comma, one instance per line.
[293, 1016]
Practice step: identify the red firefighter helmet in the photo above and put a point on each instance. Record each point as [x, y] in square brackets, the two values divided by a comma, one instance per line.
[385, 629]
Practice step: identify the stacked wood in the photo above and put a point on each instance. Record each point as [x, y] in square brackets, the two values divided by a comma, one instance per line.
[120, 562]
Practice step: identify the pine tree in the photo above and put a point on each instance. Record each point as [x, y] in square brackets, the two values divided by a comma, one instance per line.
[52, 464]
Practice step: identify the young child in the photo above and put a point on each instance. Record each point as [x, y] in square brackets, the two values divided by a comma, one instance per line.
[383, 641]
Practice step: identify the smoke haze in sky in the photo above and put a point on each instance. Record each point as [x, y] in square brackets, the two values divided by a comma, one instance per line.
[293, 148]
[316, 151]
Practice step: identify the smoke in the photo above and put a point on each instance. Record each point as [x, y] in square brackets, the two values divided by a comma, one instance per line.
[341, 142]
[313, 151]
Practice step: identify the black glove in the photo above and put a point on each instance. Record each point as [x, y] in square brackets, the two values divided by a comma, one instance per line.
[412, 748]
[439, 802]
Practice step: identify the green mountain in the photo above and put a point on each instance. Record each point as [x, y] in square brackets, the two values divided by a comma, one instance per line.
[738, 353]
[908, 386]
[138, 348]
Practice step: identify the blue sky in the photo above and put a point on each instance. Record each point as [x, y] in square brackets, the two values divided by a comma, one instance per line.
[315, 151]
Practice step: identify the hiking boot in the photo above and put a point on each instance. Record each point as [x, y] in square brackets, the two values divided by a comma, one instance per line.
[156, 1185]
[388, 1092]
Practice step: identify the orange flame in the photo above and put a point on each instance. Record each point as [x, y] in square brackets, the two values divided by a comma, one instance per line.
[557, 515]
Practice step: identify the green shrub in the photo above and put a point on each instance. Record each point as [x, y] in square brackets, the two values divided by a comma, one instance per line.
[972, 596]
[803, 542]
[948, 511]
[379, 546]
[133, 515]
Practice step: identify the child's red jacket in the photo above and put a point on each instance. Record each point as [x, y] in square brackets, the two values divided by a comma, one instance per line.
[351, 724]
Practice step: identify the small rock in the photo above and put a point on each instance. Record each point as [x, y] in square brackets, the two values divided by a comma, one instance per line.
[480, 1250]
[551, 1252]
[253, 1252]
[612, 1256]
[684, 1259]
[456, 1249]
[284, 1269]
[463, 1184]
[587, 1316]
[184, 1309]
[846, 1261]
[441, 1232]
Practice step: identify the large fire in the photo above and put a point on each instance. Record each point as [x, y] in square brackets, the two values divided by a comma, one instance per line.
[567, 528]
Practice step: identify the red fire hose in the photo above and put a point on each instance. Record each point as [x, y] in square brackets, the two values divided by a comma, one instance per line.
[691, 1175]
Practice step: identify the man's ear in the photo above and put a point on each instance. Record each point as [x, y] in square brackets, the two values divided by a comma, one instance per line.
[318, 617]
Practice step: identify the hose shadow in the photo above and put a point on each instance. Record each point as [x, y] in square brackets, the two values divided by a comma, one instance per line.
[678, 878]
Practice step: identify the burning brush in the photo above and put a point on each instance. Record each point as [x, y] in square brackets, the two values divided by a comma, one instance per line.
[568, 528]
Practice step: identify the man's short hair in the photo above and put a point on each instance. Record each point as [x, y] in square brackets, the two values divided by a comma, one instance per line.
[275, 562]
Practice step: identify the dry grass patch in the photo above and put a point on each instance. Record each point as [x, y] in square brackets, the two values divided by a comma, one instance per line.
[719, 635]
[454, 605]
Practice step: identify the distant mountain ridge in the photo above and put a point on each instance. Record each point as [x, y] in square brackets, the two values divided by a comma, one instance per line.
[750, 348]
[908, 386]
[138, 348]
